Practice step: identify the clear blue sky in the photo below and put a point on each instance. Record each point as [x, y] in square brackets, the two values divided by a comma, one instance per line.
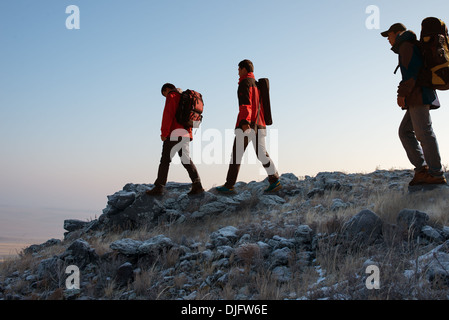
[80, 110]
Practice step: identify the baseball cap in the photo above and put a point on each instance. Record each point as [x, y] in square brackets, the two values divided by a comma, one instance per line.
[397, 27]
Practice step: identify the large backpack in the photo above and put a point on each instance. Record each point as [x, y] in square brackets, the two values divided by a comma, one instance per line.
[434, 45]
[190, 109]
[264, 95]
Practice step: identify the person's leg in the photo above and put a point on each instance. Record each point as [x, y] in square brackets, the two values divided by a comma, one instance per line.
[238, 149]
[164, 166]
[263, 156]
[184, 154]
[422, 125]
[410, 143]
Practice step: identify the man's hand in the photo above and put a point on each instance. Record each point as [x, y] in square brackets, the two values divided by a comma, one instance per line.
[246, 127]
[163, 138]
[401, 102]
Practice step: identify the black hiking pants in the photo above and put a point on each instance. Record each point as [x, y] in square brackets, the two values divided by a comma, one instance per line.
[169, 149]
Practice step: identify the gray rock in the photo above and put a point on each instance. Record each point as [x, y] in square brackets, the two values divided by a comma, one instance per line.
[278, 242]
[224, 236]
[365, 227]
[438, 268]
[445, 232]
[130, 247]
[410, 222]
[265, 249]
[145, 210]
[243, 197]
[289, 176]
[210, 209]
[155, 245]
[80, 253]
[280, 257]
[207, 255]
[338, 204]
[314, 192]
[220, 264]
[51, 268]
[229, 232]
[126, 246]
[272, 200]
[122, 199]
[303, 234]
[35, 248]
[431, 234]
[74, 224]
[124, 274]
[282, 273]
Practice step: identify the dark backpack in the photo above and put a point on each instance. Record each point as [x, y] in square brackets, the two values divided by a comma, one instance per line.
[264, 95]
[434, 46]
[190, 109]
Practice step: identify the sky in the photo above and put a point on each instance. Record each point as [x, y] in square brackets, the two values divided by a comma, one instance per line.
[80, 109]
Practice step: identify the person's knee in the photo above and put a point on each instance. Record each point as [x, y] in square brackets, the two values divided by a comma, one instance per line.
[425, 134]
[403, 132]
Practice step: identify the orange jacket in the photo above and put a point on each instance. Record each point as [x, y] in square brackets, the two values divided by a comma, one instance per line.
[248, 95]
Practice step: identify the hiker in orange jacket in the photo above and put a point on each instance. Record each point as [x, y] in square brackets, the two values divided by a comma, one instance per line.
[250, 126]
[176, 138]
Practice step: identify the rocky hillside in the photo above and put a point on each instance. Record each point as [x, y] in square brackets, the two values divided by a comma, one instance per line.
[332, 236]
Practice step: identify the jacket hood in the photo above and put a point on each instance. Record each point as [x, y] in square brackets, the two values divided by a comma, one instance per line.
[406, 36]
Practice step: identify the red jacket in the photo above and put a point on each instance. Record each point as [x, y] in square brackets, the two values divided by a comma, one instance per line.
[171, 127]
[248, 95]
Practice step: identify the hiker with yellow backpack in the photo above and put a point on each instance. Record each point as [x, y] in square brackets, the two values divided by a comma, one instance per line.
[424, 66]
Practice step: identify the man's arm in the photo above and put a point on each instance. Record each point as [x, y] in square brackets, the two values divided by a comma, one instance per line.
[411, 64]
[245, 109]
[168, 117]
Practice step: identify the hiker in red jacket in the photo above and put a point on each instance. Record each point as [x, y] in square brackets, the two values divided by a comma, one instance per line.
[250, 126]
[176, 138]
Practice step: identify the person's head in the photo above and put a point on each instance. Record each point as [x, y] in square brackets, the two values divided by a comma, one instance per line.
[393, 32]
[245, 66]
[166, 88]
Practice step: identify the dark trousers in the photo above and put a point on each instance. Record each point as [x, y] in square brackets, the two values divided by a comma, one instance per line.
[169, 149]
[240, 144]
[419, 140]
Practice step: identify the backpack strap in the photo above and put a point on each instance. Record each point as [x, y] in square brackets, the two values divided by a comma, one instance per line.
[396, 70]
[258, 112]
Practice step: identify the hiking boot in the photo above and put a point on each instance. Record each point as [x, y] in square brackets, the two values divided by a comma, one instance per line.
[429, 179]
[197, 188]
[420, 176]
[156, 191]
[224, 189]
[274, 186]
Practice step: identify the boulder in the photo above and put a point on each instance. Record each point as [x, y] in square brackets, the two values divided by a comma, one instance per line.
[155, 245]
[74, 224]
[126, 246]
[365, 227]
[411, 222]
[79, 253]
[124, 274]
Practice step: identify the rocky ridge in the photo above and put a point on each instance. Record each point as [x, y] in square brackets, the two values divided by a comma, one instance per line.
[249, 245]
